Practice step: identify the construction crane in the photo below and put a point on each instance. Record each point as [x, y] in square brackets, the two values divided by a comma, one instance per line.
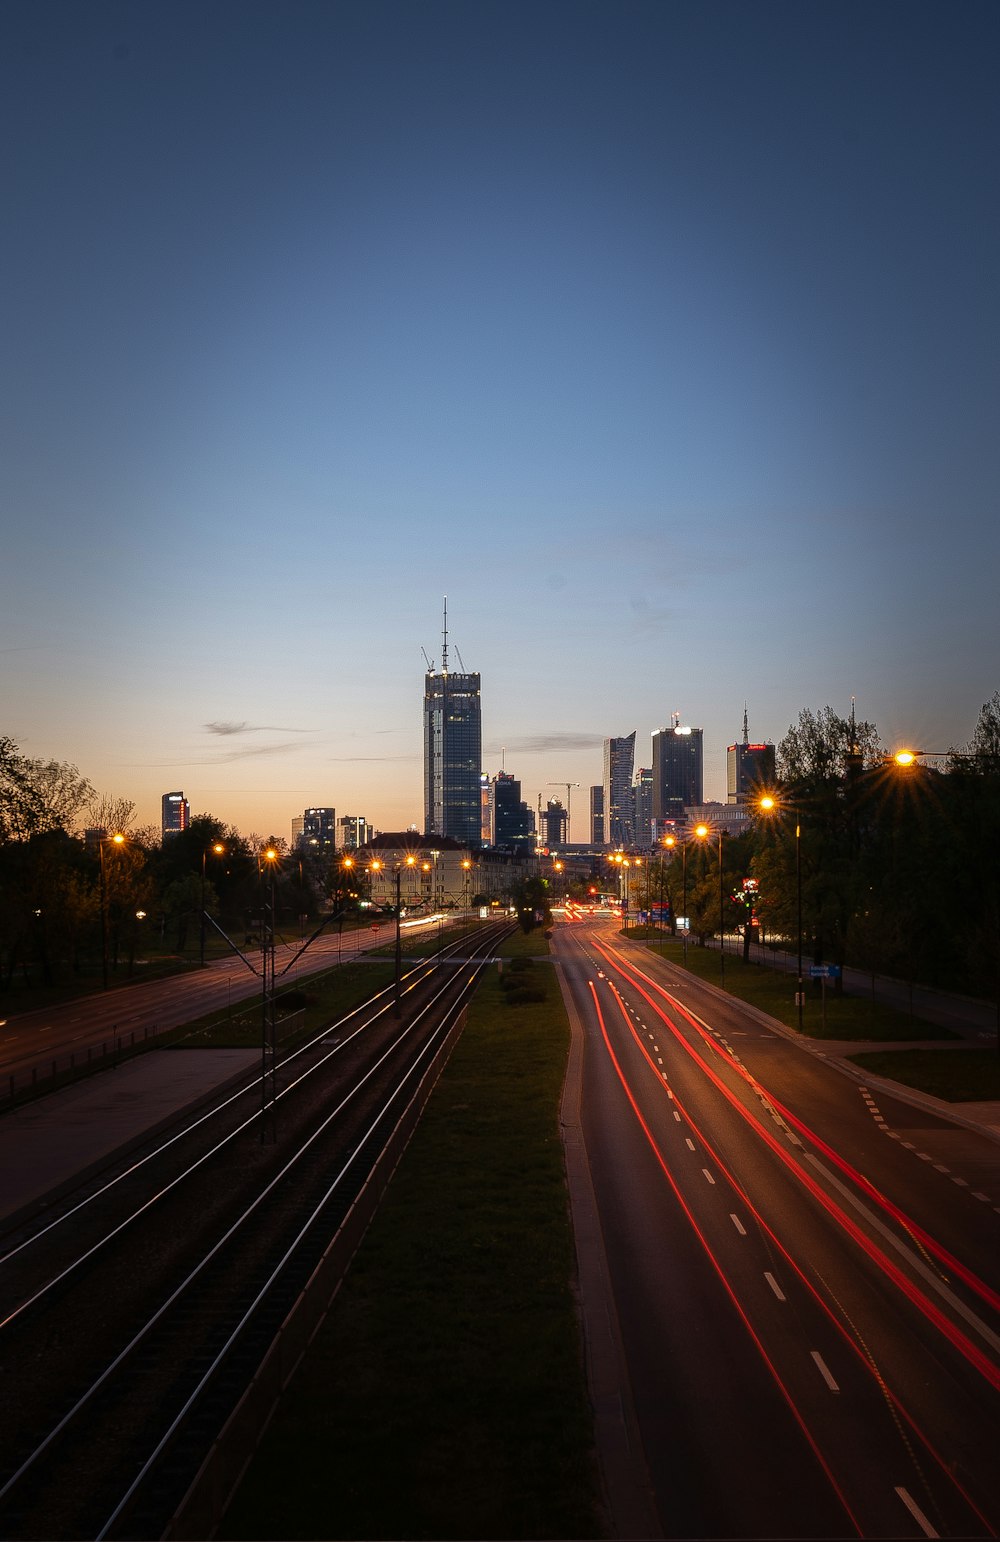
[567, 786]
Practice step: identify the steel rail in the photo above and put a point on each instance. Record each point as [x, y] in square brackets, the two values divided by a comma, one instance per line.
[439, 1032]
[421, 970]
[194, 1274]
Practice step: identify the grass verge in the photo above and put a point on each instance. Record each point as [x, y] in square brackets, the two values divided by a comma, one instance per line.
[445, 1396]
[846, 1017]
[959, 1076]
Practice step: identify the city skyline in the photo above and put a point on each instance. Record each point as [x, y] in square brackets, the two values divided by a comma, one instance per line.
[660, 338]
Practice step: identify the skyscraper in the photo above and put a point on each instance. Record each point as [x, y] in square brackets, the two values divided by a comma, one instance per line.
[453, 743]
[176, 814]
[597, 814]
[748, 766]
[512, 826]
[316, 831]
[677, 769]
[642, 807]
[619, 755]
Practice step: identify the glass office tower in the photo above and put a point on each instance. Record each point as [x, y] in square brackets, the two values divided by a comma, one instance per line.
[453, 752]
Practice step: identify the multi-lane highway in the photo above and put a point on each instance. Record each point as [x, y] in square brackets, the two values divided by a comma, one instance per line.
[805, 1271]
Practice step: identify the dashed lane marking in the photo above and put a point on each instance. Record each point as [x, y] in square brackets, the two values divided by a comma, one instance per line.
[824, 1371]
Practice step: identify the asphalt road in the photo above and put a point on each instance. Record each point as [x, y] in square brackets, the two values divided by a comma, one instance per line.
[806, 1277]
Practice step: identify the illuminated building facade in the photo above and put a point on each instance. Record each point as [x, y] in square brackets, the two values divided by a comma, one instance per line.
[316, 831]
[678, 774]
[176, 814]
[355, 831]
[453, 752]
[748, 766]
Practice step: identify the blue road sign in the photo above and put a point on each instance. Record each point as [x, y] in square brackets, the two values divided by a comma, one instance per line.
[824, 971]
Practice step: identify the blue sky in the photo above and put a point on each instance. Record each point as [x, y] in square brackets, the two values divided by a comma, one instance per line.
[662, 338]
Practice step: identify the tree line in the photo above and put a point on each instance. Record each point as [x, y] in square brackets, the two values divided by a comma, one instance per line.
[76, 902]
[896, 869]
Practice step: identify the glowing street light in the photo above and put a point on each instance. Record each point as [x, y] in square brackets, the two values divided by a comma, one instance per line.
[703, 832]
[217, 850]
[113, 840]
[767, 803]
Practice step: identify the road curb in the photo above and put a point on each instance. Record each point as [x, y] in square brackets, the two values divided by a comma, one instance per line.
[628, 1491]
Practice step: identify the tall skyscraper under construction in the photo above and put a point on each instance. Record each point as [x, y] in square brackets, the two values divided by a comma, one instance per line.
[453, 751]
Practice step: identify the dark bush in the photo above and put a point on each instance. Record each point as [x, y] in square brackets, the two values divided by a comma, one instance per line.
[523, 995]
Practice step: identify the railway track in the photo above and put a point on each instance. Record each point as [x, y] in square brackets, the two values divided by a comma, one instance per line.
[133, 1323]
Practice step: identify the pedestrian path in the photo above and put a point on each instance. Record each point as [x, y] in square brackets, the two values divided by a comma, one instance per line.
[53, 1142]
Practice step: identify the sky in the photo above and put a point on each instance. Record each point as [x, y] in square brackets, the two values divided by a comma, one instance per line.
[661, 338]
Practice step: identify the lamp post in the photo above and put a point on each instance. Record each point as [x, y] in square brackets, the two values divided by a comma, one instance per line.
[116, 840]
[219, 850]
[769, 804]
[668, 842]
[466, 868]
[703, 832]
[269, 1027]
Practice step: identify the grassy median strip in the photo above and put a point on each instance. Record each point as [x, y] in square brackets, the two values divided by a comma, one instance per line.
[445, 1396]
[773, 991]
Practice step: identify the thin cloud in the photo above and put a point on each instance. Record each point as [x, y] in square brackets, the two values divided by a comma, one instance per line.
[546, 744]
[226, 729]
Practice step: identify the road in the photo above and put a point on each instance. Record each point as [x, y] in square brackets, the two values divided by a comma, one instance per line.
[806, 1276]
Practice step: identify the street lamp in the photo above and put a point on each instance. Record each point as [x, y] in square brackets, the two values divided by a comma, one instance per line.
[269, 1026]
[466, 868]
[703, 832]
[668, 842]
[769, 804]
[219, 850]
[116, 840]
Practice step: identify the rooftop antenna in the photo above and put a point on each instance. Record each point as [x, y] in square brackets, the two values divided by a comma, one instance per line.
[746, 731]
[503, 752]
[444, 651]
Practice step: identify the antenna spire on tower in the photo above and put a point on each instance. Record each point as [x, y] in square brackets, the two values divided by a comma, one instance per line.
[444, 650]
[746, 731]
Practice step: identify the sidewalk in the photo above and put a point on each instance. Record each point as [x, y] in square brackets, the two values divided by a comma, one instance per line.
[52, 1144]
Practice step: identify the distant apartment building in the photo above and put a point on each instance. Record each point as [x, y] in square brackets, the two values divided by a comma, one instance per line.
[354, 832]
[678, 777]
[176, 813]
[315, 831]
[619, 757]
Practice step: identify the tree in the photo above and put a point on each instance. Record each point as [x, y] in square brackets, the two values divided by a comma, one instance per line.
[531, 902]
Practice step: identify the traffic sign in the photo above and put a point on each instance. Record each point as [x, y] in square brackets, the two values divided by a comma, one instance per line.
[824, 971]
